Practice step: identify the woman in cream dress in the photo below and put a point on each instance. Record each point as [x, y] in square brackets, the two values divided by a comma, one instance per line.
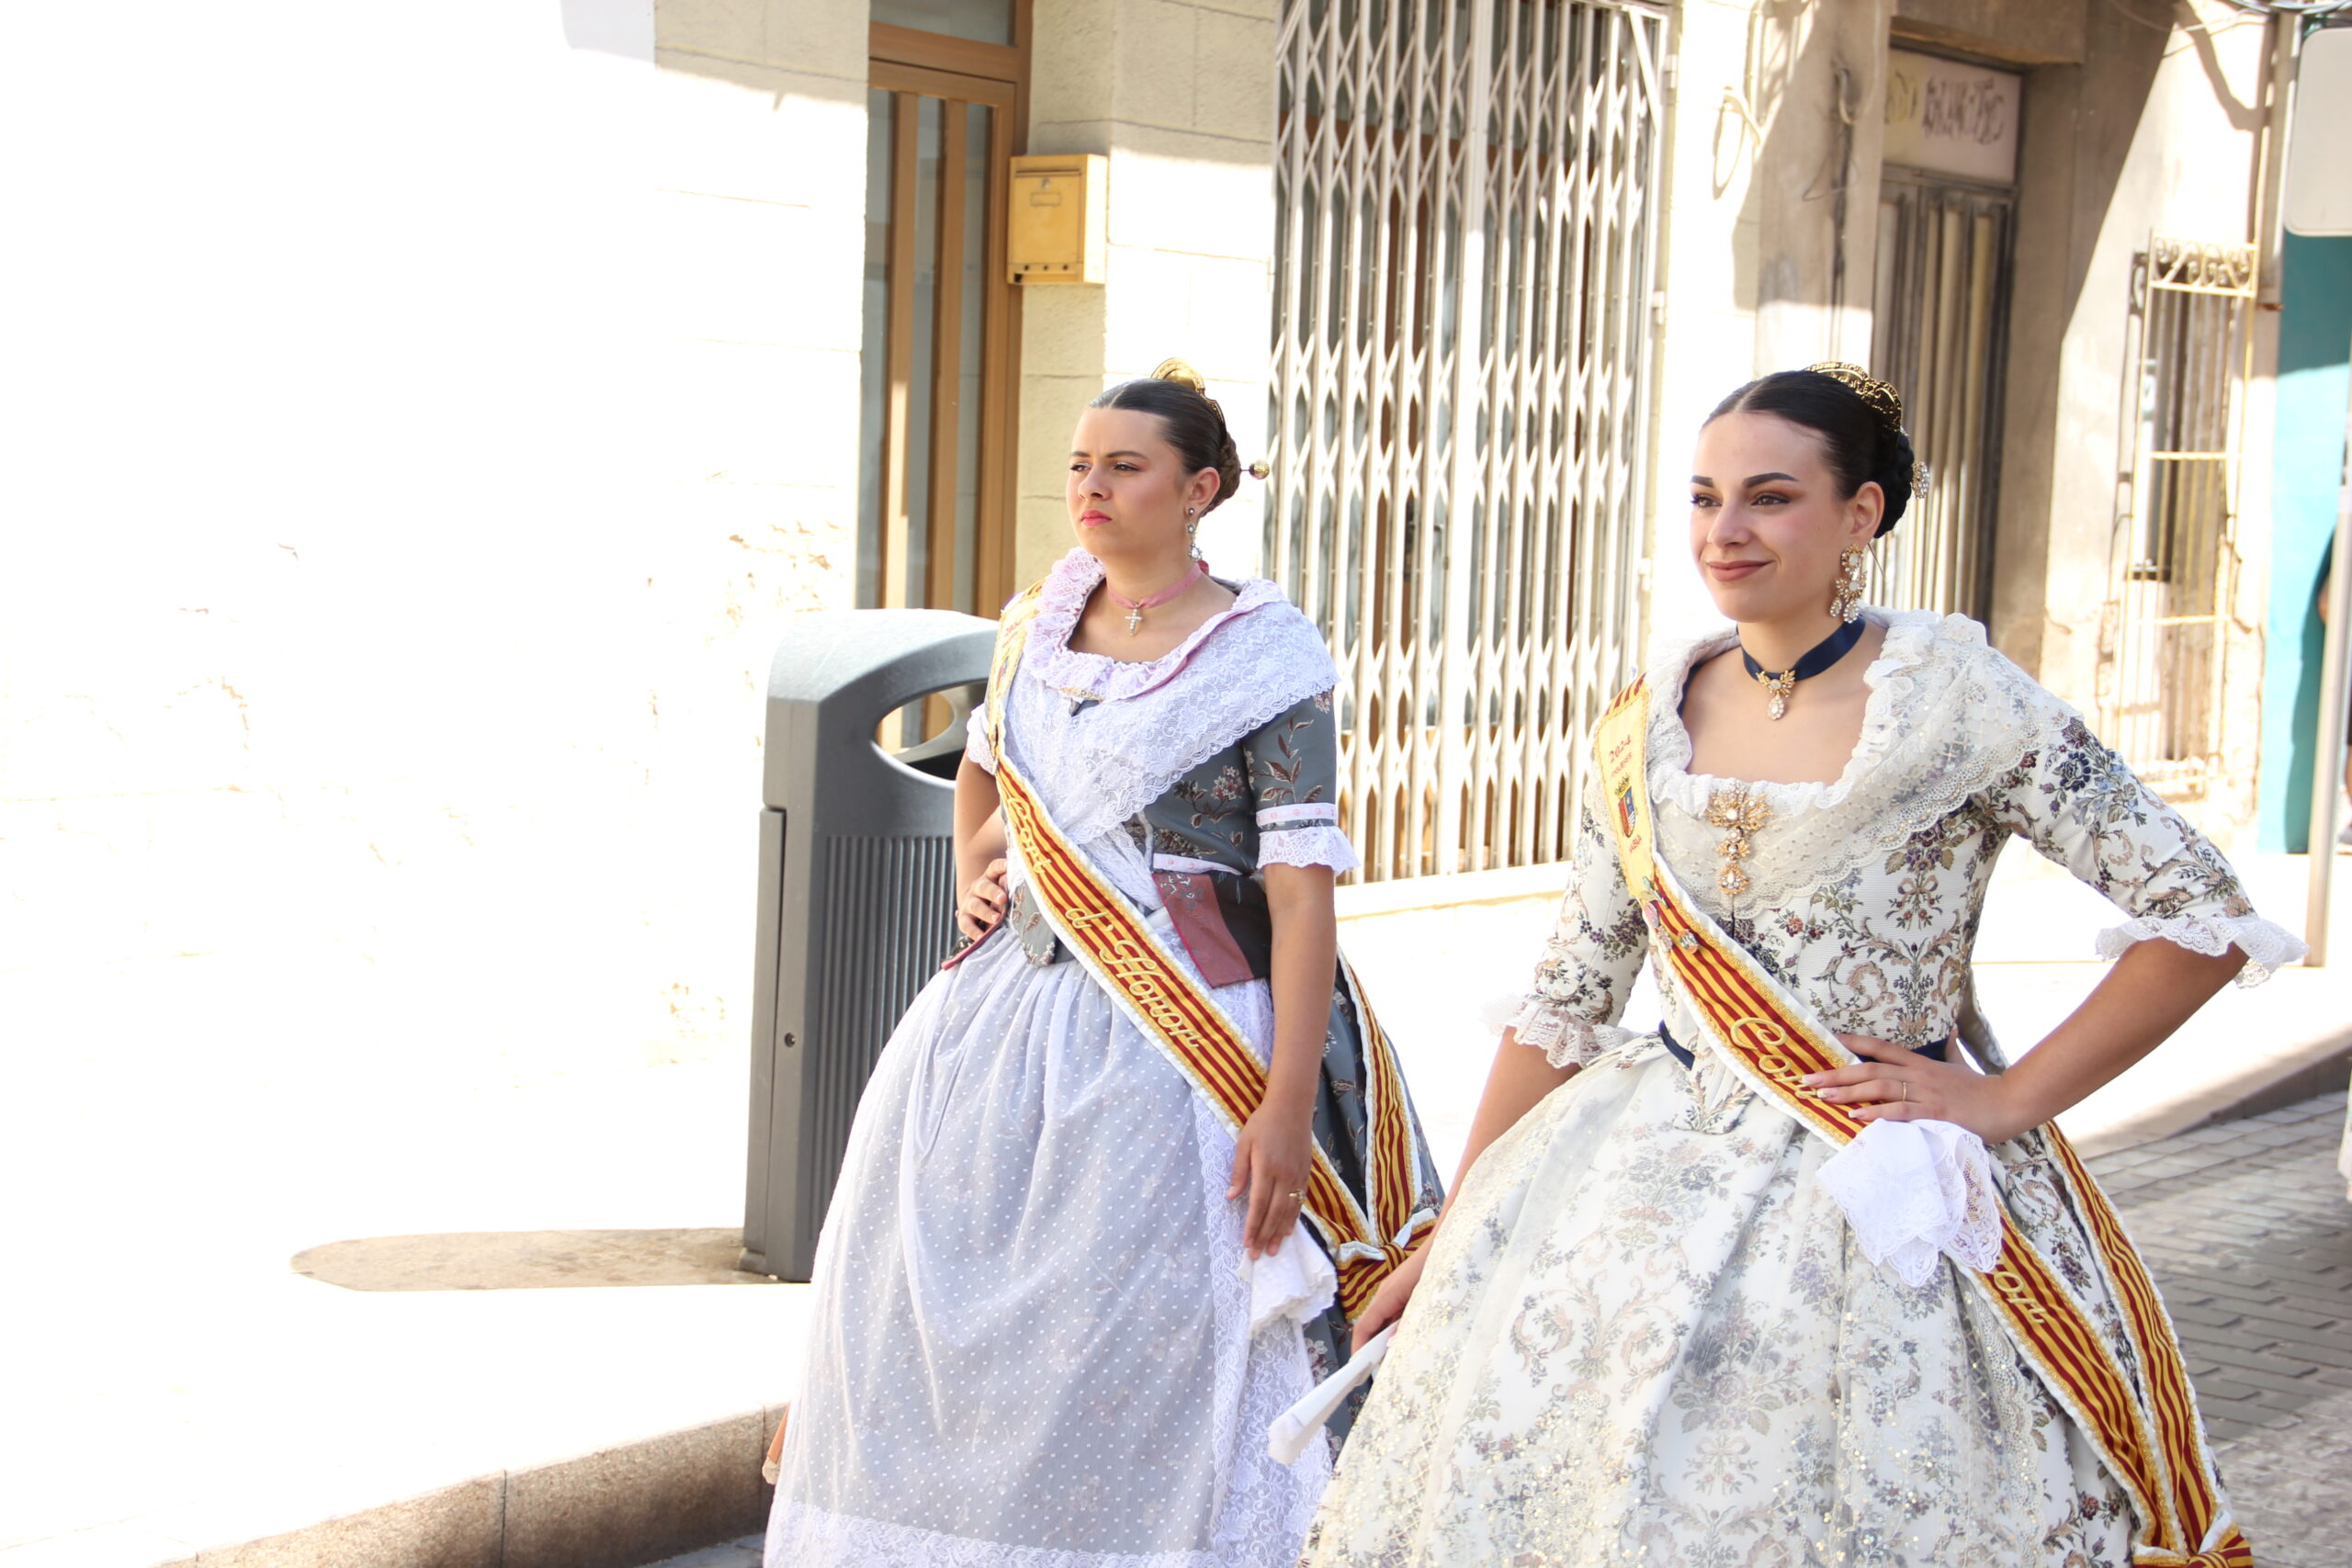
[1646, 1329]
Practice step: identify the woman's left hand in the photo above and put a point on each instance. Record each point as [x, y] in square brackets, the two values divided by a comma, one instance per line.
[1896, 1084]
[1271, 1159]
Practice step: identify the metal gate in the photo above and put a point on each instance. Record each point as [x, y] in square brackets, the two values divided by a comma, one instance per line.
[1939, 336]
[2164, 645]
[1466, 197]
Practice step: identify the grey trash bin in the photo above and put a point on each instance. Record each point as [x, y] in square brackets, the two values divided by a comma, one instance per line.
[856, 886]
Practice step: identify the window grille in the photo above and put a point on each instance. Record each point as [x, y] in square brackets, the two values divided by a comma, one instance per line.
[2174, 561]
[1467, 195]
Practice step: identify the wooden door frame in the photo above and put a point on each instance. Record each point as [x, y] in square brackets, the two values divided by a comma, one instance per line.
[960, 71]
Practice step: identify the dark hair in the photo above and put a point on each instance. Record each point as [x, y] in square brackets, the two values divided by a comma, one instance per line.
[1861, 444]
[1190, 419]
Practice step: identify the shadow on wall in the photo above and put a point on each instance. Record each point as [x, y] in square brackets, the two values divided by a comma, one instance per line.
[2078, 124]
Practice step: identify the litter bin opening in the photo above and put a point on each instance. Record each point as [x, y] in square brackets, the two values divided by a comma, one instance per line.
[927, 732]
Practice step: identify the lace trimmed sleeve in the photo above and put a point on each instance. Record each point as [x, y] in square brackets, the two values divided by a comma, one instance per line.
[1294, 764]
[1592, 957]
[976, 750]
[2078, 804]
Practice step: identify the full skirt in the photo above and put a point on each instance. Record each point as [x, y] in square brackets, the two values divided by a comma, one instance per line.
[1032, 1342]
[1646, 1335]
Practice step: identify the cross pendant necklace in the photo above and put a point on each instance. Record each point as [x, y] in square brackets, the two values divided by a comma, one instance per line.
[1135, 607]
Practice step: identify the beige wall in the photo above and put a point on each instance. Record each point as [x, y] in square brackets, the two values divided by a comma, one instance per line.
[2154, 132]
[1179, 98]
[758, 154]
[1756, 235]
[2127, 130]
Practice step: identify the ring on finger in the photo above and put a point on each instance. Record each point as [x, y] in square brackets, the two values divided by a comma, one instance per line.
[1906, 1091]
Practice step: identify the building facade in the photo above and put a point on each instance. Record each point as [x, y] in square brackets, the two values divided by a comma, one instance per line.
[1471, 274]
[417, 521]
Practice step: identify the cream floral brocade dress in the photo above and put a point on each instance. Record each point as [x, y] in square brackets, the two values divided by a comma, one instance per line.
[1645, 1334]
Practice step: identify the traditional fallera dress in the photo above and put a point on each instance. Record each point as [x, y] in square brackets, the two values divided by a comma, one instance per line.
[1037, 1341]
[1651, 1330]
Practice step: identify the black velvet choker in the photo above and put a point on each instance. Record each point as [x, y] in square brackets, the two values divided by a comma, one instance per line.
[1824, 654]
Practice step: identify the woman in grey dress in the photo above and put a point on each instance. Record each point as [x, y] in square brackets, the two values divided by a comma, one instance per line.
[1063, 1292]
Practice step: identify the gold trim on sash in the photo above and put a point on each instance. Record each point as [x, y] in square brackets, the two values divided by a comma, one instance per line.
[2143, 1425]
[1367, 1237]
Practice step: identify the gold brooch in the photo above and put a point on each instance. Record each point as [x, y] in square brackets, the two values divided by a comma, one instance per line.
[1739, 813]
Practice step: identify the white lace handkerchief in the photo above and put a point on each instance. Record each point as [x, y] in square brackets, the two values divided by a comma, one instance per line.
[1914, 1190]
[1296, 1283]
[1286, 1439]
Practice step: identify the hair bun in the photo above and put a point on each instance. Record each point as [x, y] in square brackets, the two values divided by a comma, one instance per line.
[1191, 419]
[1183, 375]
[1896, 479]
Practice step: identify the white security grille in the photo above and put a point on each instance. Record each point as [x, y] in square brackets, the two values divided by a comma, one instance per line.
[2165, 650]
[1467, 198]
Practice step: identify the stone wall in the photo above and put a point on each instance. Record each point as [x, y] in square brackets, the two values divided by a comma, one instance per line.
[2156, 131]
[436, 411]
[1180, 97]
[2129, 127]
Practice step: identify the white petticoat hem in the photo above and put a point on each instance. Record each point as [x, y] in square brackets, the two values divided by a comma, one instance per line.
[800, 1534]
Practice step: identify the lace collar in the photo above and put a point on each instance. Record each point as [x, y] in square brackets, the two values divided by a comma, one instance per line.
[1914, 640]
[1052, 660]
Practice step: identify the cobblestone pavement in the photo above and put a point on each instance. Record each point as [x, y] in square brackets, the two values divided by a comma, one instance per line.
[2245, 1227]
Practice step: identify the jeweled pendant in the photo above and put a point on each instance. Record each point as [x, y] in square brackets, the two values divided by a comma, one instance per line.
[1779, 705]
[1780, 685]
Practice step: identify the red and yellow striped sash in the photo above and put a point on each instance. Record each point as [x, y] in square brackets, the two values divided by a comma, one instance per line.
[2144, 1427]
[1367, 1237]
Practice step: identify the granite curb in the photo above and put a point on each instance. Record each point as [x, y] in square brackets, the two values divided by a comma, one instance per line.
[617, 1507]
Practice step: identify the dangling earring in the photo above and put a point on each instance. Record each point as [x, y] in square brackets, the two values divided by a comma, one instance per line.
[1846, 604]
[1192, 530]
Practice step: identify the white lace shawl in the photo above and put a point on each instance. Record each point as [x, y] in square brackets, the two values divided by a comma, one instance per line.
[1154, 721]
[1947, 718]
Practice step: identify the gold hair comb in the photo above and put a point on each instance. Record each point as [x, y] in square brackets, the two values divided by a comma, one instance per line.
[1883, 400]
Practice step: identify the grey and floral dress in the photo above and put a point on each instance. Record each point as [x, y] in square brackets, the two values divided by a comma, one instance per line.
[1646, 1333]
[1036, 1340]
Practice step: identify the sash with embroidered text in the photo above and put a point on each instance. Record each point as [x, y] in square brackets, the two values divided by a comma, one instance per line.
[1366, 1233]
[2132, 1401]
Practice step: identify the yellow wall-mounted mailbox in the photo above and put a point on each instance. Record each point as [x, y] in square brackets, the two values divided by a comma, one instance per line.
[1055, 234]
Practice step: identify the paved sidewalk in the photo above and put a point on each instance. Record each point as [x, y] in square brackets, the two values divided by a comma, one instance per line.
[340, 1269]
[2245, 1226]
